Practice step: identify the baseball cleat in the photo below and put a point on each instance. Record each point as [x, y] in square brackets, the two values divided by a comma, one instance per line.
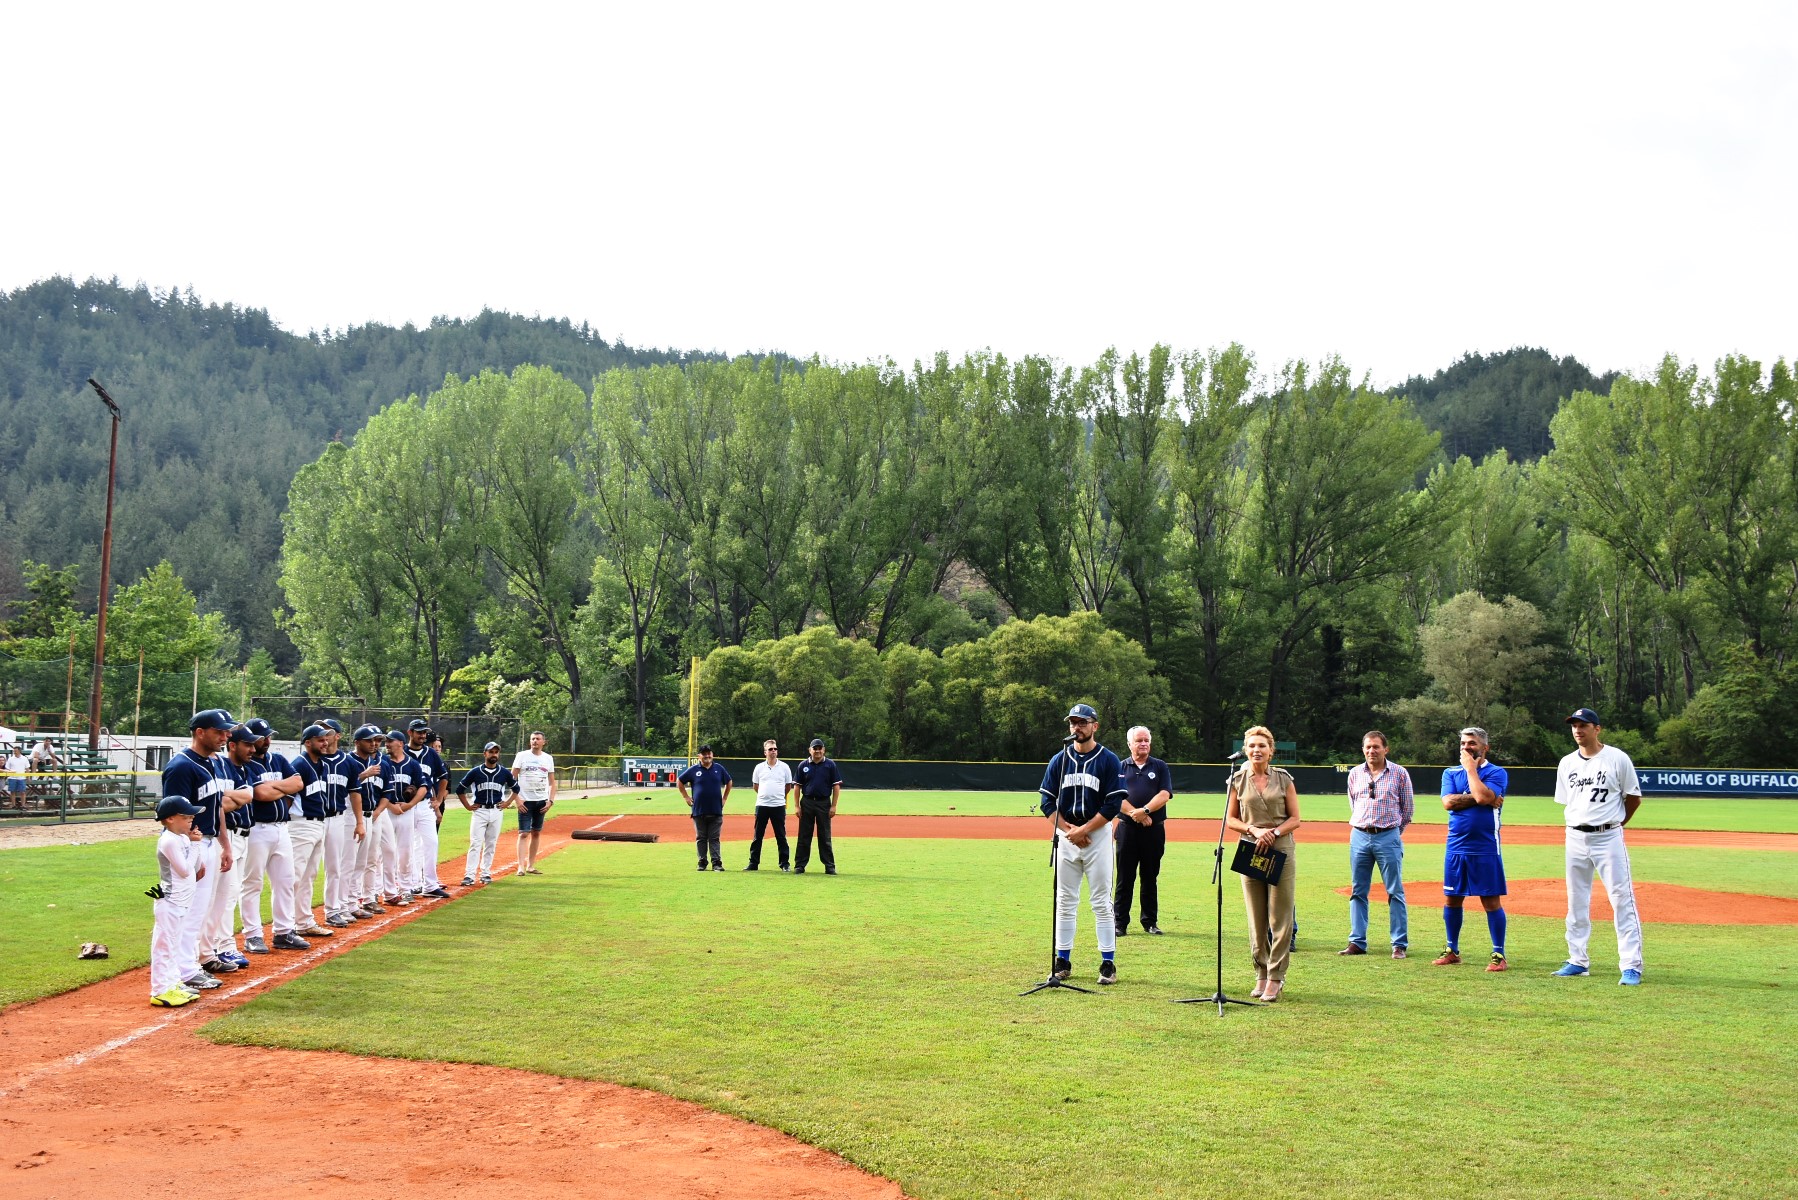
[316, 931]
[439, 893]
[373, 908]
[339, 921]
[468, 880]
[486, 879]
[173, 998]
[255, 945]
[1498, 962]
[190, 993]
[1631, 978]
[1569, 970]
[1449, 958]
[1108, 972]
[291, 941]
[1062, 969]
[218, 966]
[201, 983]
[232, 956]
[403, 899]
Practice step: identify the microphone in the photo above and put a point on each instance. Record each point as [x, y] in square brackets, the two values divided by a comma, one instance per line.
[1236, 757]
[1069, 740]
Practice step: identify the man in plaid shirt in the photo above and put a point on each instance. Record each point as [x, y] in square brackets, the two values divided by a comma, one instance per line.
[1380, 806]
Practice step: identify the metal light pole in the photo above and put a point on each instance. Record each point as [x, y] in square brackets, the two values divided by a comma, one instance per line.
[112, 474]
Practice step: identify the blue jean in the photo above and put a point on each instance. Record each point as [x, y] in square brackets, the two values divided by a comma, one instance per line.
[1388, 850]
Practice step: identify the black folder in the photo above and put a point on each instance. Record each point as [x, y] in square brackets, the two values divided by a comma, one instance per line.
[1256, 865]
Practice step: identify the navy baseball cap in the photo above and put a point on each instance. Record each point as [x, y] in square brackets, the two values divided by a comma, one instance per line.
[1082, 712]
[418, 725]
[243, 733]
[312, 731]
[705, 747]
[1586, 715]
[366, 733]
[175, 806]
[394, 735]
[333, 724]
[490, 746]
[259, 727]
[817, 744]
[212, 718]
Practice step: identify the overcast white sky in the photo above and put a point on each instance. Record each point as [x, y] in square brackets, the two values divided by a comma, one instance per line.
[1393, 183]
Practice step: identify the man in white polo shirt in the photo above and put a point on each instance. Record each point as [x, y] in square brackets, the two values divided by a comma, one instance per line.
[535, 772]
[1597, 785]
[772, 781]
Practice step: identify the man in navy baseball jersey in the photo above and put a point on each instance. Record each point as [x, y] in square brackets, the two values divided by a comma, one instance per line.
[1081, 792]
[306, 827]
[196, 776]
[820, 785]
[343, 829]
[486, 792]
[399, 774]
[368, 789]
[1141, 830]
[271, 846]
[710, 786]
[433, 775]
[1472, 864]
[1597, 786]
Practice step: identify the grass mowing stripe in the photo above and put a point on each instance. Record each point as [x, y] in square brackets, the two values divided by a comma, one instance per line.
[876, 1014]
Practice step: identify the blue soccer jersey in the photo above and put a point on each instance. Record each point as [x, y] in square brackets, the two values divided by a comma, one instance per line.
[1474, 830]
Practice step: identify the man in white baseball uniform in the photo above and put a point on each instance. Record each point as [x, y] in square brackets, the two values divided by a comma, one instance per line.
[486, 792]
[535, 772]
[344, 828]
[773, 779]
[434, 776]
[311, 815]
[271, 849]
[1082, 792]
[1598, 787]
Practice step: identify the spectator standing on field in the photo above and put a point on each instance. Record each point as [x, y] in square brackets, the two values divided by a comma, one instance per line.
[710, 786]
[819, 786]
[1381, 805]
[535, 772]
[16, 765]
[1141, 831]
[773, 780]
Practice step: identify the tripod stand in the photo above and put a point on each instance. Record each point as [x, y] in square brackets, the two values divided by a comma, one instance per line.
[1217, 879]
[1053, 981]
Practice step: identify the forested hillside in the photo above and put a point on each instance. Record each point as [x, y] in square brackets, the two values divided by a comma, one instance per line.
[222, 407]
[1490, 402]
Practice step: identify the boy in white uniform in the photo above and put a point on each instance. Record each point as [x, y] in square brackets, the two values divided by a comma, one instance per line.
[177, 869]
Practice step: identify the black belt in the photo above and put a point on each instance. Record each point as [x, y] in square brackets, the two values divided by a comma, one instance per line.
[1597, 828]
[1376, 828]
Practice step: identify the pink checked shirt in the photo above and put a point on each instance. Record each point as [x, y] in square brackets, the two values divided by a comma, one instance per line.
[1382, 802]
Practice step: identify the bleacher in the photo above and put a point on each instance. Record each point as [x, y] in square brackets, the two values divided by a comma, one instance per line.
[83, 783]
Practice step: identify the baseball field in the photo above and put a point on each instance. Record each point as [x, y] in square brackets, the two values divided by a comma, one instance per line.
[875, 1016]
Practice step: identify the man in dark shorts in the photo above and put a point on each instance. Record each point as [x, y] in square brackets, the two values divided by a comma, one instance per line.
[1472, 864]
[710, 786]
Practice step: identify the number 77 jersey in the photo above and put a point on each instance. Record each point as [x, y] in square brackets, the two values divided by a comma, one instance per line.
[1592, 789]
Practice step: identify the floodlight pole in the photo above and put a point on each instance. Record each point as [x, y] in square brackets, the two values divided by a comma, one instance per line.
[112, 474]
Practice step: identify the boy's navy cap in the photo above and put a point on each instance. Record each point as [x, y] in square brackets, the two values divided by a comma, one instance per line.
[260, 727]
[1586, 715]
[490, 746]
[175, 806]
[1082, 712]
[243, 733]
[367, 732]
[212, 718]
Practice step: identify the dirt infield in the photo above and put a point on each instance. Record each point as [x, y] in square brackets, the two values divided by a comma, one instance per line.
[740, 828]
[1657, 903]
[104, 1097]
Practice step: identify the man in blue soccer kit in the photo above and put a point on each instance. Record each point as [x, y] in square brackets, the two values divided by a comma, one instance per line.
[1081, 792]
[486, 792]
[195, 775]
[705, 786]
[433, 776]
[1473, 865]
[271, 847]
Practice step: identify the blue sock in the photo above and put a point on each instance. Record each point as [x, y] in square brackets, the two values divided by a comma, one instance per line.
[1108, 955]
[1451, 917]
[1495, 921]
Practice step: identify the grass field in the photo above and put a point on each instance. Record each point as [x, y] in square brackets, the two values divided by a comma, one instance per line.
[876, 1014]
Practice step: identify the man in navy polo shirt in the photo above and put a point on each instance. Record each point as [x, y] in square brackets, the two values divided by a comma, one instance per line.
[1141, 831]
[710, 784]
[820, 784]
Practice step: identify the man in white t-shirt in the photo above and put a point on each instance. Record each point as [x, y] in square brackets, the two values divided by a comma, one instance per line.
[772, 782]
[535, 773]
[15, 766]
[1597, 785]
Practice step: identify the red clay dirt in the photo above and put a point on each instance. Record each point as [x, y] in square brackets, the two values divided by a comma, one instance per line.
[1656, 903]
[105, 1098]
[739, 828]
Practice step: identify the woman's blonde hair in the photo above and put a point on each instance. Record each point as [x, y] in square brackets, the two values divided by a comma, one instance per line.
[1260, 731]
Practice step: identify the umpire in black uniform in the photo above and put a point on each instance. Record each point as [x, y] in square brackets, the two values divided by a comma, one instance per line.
[819, 785]
[1141, 831]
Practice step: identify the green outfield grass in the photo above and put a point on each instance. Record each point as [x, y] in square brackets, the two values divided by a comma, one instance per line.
[876, 1014]
[1760, 816]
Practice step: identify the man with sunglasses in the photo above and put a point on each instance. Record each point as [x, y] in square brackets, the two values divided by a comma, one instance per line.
[1082, 791]
[773, 779]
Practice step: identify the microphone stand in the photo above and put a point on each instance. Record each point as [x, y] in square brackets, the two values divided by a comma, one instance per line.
[1054, 981]
[1217, 878]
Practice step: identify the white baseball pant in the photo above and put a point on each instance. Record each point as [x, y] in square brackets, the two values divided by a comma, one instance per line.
[1093, 862]
[483, 839]
[340, 861]
[1606, 854]
[396, 853]
[270, 856]
[166, 969]
[367, 881]
[424, 847]
[187, 946]
[308, 838]
[218, 929]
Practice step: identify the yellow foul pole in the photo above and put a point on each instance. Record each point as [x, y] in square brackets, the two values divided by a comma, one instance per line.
[693, 713]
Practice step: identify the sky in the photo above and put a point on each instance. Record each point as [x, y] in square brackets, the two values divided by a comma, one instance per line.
[1396, 184]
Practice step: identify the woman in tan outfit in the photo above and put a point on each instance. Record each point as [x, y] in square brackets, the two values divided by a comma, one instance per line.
[1264, 808]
